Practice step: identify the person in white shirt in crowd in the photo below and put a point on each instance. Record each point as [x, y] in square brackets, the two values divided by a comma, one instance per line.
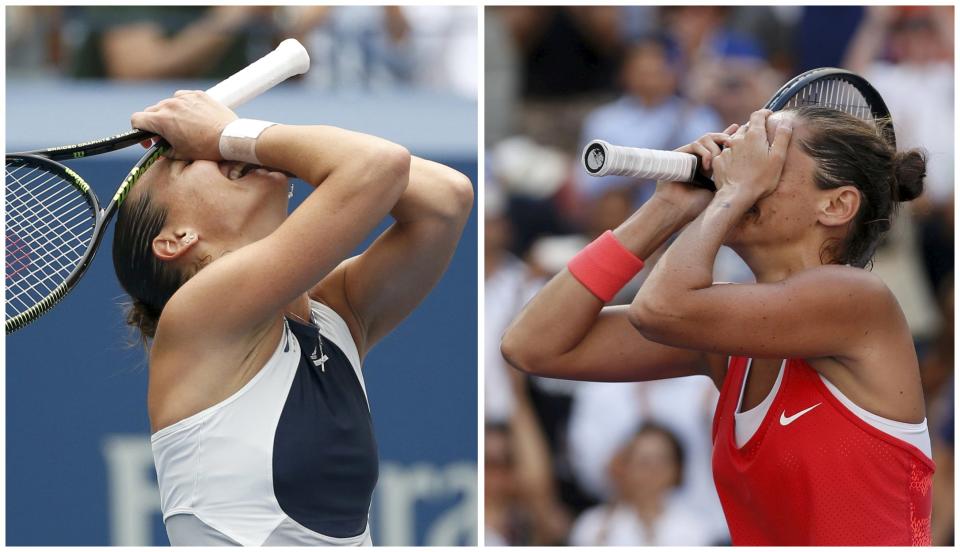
[605, 415]
[649, 114]
[646, 511]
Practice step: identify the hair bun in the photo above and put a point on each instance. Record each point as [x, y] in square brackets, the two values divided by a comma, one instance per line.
[143, 317]
[909, 170]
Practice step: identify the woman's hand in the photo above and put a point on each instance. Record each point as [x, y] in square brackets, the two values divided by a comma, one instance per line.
[191, 121]
[749, 164]
[687, 198]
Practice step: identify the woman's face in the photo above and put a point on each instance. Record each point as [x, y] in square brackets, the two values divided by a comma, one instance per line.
[789, 214]
[651, 466]
[225, 203]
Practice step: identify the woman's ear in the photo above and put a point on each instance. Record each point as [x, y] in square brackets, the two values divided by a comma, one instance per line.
[839, 206]
[170, 246]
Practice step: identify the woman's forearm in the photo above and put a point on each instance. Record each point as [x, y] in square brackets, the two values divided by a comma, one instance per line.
[315, 153]
[563, 313]
[688, 264]
[650, 227]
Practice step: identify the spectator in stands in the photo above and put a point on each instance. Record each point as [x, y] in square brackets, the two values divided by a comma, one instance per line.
[605, 415]
[163, 42]
[942, 525]
[380, 46]
[34, 37]
[508, 285]
[568, 50]
[702, 33]
[521, 504]
[567, 59]
[733, 86]
[650, 114]
[937, 359]
[443, 41]
[937, 371]
[645, 510]
[721, 67]
[823, 35]
[506, 523]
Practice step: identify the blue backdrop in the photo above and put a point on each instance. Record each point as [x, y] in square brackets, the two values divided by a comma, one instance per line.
[79, 468]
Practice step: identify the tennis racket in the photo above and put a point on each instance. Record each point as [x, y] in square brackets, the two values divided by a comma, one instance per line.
[825, 87]
[54, 223]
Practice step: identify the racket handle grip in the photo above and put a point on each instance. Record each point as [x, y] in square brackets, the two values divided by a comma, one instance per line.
[604, 159]
[288, 59]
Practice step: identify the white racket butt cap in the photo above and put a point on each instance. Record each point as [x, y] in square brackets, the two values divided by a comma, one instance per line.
[288, 59]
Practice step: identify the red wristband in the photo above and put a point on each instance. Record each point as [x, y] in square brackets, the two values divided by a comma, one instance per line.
[605, 266]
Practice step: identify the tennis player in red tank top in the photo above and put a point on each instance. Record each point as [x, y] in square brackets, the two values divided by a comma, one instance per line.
[804, 197]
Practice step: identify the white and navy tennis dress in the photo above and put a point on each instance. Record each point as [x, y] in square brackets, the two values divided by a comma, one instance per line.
[289, 460]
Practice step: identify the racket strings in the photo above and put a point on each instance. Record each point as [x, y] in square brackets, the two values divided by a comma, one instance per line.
[42, 279]
[49, 224]
[42, 245]
[54, 207]
[835, 94]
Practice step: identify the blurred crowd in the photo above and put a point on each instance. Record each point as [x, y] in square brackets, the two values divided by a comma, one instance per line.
[357, 47]
[629, 463]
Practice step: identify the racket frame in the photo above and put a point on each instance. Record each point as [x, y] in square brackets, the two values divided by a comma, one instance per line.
[874, 101]
[93, 147]
[38, 158]
[30, 159]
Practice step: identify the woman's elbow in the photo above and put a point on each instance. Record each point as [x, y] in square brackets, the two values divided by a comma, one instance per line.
[516, 354]
[462, 191]
[646, 315]
[392, 163]
[456, 201]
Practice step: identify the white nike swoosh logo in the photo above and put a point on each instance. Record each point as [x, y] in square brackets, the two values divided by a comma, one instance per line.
[787, 420]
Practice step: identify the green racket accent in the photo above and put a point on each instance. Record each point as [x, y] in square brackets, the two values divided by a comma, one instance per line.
[35, 311]
[77, 181]
[134, 175]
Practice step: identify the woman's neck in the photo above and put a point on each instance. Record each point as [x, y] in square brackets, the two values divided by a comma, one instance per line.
[775, 264]
[648, 506]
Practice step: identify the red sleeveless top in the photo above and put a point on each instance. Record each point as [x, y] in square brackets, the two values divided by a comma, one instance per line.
[816, 475]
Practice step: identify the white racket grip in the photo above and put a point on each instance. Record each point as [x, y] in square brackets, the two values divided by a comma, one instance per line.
[602, 159]
[288, 59]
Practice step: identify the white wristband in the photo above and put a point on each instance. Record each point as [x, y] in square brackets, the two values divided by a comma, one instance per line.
[238, 141]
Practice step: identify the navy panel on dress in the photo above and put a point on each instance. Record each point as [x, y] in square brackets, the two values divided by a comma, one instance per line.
[325, 463]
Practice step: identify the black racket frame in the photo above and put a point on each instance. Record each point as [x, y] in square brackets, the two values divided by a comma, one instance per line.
[46, 160]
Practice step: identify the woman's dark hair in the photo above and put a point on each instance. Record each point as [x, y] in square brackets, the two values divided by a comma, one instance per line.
[675, 446]
[850, 152]
[149, 282]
